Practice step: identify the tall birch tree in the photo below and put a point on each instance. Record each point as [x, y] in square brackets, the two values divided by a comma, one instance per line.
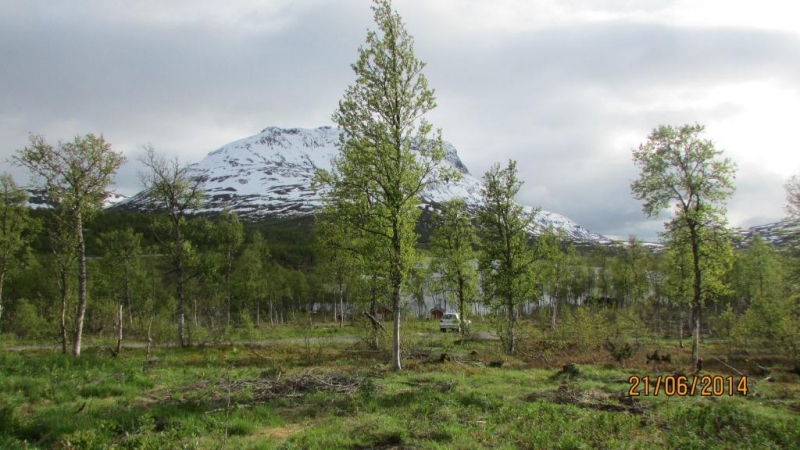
[75, 176]
[507, 259]
[175, 194]
[452, 244]
[680, 169]
[389, 152]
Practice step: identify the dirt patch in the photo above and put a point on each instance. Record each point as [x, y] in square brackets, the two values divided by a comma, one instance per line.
[587, 399]
[280, 433]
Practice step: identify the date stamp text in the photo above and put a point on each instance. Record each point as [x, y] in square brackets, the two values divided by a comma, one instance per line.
[680, 385]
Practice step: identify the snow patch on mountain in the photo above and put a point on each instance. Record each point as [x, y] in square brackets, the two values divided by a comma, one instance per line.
[37, 199]
[271, 174]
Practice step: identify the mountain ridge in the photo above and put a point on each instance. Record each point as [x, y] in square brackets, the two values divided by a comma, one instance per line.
[271, 174]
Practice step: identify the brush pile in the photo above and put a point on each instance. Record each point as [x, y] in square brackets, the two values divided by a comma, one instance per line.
[252, 392]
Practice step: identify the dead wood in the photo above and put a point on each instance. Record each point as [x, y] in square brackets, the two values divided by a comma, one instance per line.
[245, 393]
[374, 321]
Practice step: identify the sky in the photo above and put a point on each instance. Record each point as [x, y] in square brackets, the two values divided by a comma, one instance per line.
[565, 87]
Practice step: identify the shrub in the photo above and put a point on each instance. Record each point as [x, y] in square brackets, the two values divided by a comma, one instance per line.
[27, 322]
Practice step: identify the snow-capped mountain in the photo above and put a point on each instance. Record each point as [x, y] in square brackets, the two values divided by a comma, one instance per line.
[36, 199]
[776, 233]
[271, 174]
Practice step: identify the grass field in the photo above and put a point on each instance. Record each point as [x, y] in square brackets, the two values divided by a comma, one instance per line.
[322, 389]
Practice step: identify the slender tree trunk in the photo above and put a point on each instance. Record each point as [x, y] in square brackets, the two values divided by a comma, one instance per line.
[127, 299]
[511, 345]
[228, 282]
[258, 314]
[76, 344]
[181, 295]
[341, 306]
[149, 339]
[195, 311]
[64, 298]
[119, 329]
[397, 281]
[697, 298]
[461, 312]
[2, 277]
[396, 328]
[373, 309]
[271, 315]
[695, 334]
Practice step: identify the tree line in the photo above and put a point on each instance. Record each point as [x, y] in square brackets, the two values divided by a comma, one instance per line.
[234, 283]
[200, 277]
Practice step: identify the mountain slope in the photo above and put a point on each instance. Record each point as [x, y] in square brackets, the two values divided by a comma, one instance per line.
[36, 199]
[777, 233]
[271, 174]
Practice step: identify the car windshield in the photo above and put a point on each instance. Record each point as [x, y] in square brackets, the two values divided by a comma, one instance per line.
[449, 316]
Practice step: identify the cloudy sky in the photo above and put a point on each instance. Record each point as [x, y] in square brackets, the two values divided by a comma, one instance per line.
[566, 87]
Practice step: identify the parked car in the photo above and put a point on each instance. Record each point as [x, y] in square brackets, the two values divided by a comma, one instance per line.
[451, 321]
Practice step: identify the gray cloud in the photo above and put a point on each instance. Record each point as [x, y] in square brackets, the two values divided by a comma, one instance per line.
[558, 98]
[568, 102]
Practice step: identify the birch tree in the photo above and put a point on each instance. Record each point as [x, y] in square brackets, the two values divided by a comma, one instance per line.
[452, 244]
[679, 169]
[172, 192]
[506, 258]
[389, 152]
[75, 176]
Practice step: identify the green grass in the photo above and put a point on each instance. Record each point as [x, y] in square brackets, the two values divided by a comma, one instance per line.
[212, 397]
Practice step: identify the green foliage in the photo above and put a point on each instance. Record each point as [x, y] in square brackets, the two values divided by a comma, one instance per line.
[15, 227]
[387, 157]
[229, 237]
[629, 273]
[728, 424]
[726, 325]
[28, 322]
[250, 278]
[121, 275]
[560, 273]
[506, 258]
[584, 329]
[676, 165]
[172, 193]
[74, 177]
[620, 351]
[452, 245]
[212, 397]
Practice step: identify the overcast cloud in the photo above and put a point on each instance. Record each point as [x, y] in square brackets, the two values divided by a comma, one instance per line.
[567, 88]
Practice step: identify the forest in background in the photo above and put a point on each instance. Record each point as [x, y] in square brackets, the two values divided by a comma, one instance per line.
[585, 297]
[148, 276]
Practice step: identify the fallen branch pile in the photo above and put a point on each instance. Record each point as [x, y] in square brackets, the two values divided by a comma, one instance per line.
[294, 386]
[248, 393]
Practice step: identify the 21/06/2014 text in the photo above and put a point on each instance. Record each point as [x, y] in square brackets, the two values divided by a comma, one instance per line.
[680, 385]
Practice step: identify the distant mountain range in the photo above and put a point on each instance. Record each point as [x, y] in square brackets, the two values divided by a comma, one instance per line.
[776, 233]
[36, 199]
[270, 175]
